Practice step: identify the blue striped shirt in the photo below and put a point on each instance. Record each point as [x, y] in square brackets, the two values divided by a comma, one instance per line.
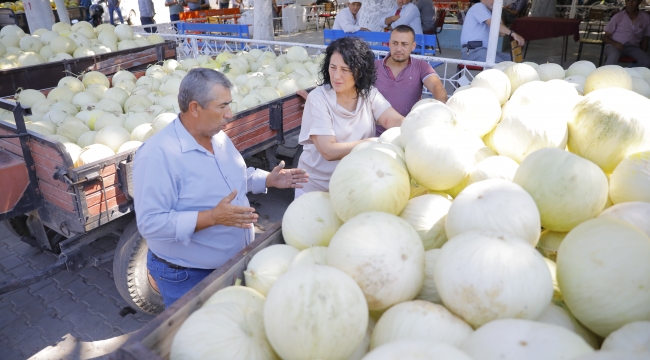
[174, 178]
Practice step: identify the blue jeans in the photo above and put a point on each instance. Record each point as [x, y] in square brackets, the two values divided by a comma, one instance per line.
[174, 17]
[174, 283]
[147, 20]
[223, 5]
[119, 14]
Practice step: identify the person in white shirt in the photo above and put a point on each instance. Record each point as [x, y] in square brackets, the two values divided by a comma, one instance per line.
[347, 19]
[405, 13]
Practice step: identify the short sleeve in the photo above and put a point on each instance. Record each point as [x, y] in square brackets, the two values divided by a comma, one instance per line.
[611, 25]
[483, 14]
[426, 70]
[378, 103]
[316, 117]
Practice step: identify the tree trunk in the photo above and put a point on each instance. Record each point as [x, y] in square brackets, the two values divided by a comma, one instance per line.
[262, 20]
[543, 8]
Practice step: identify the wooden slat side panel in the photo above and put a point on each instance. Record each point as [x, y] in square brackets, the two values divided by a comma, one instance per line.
[113, 202]
[13, 141]
[110, 180]
[58, 197]
[292, 108]
[45, 175]
[293, 125]
[98, 196]
[47, 152]
[294, 101]
[107, 171]
[292, 121]
[259, 129]
[263, 133]
[241, 126]
[36, 148]
[47, 162]
[12, 148]
[250, 142]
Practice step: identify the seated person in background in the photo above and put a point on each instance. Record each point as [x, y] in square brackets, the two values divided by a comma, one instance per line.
[512, 11]
[197, 5]
[400, 78]
[347, 19]
[626, 34]
[405, 13]
[476, 31]
[427, 15]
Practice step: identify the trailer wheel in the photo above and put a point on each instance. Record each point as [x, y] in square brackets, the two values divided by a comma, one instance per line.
[130, 272]
[18, 226]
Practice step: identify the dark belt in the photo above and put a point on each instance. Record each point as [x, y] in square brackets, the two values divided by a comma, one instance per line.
[173, 266]
[473, 45]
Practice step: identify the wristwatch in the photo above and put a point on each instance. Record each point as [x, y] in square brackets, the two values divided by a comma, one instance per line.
[510, 33]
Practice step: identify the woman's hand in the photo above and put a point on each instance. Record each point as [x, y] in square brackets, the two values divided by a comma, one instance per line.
[282, 178]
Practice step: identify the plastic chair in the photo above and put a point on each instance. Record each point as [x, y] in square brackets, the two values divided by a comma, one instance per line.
[595, 25]
[627, 60]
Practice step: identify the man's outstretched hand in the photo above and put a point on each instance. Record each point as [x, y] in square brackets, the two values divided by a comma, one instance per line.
[231, 215]
[282, 178]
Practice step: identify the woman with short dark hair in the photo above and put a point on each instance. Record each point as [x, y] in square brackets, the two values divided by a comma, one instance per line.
[342, 112]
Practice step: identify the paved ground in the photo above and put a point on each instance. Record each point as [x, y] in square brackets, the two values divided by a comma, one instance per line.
[77, 315]
[67, 316]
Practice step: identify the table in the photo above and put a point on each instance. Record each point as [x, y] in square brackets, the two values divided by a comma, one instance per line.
[536, 28]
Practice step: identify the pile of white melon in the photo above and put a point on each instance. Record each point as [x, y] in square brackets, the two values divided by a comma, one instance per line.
[133, 109]
[262, 76]
[471, 232]
[94, 120]
[18, 49]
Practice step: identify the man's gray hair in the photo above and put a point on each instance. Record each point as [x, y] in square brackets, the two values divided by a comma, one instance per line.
[196, 86]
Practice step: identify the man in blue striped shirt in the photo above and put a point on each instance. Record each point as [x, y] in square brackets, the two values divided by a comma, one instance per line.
[190, 188]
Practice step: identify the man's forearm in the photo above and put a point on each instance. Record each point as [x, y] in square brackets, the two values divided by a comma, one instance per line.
[607, 39]
[440, 94]
[503, 30]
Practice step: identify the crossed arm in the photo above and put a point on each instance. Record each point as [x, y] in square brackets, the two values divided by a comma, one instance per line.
[332, 150]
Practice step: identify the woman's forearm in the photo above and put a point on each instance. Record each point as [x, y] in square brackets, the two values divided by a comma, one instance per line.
[330, 149]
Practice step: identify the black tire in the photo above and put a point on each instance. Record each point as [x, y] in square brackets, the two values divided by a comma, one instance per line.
[18, 226]
[130, 272]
